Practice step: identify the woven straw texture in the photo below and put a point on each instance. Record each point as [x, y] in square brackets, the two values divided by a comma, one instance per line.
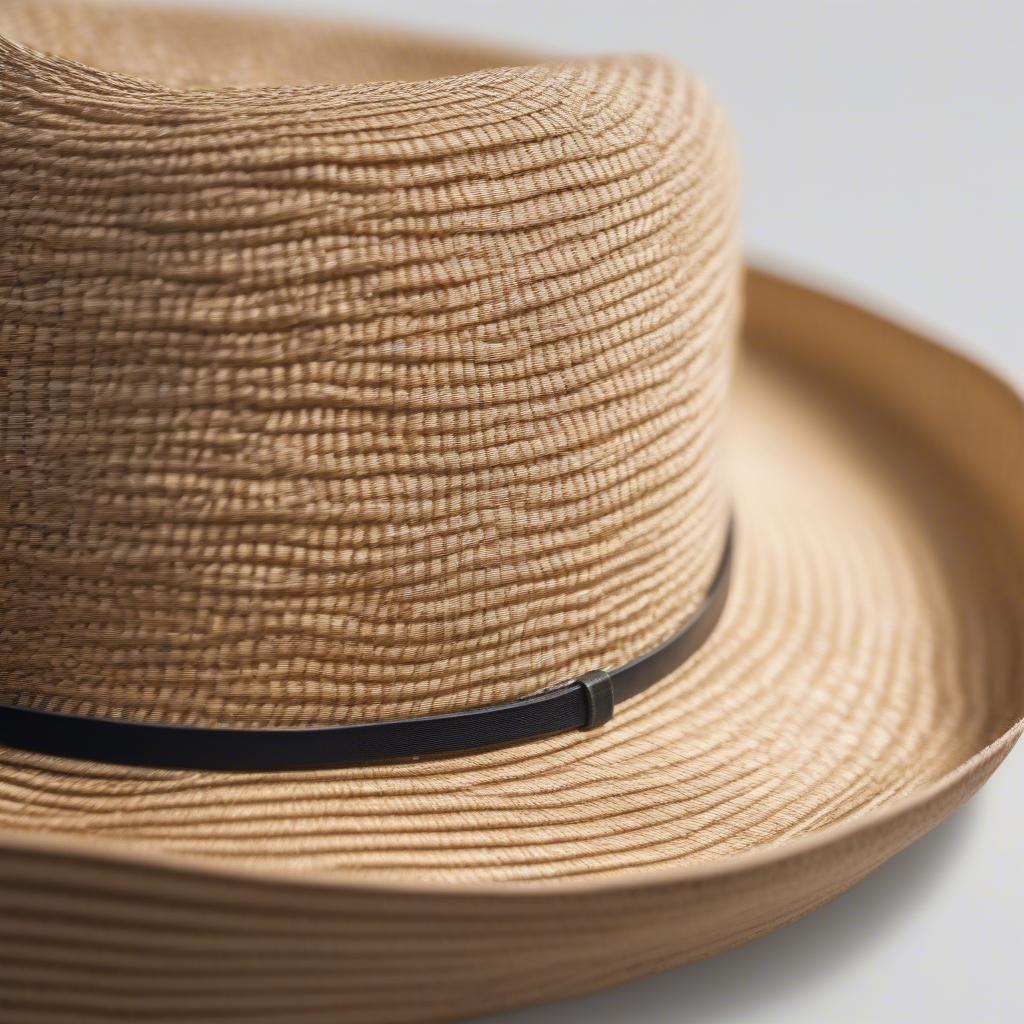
[350, 404]
[336, 402]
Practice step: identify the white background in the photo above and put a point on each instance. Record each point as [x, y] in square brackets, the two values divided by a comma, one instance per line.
[883, 154]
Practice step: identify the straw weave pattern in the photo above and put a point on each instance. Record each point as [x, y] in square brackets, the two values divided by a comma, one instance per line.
[340, 403]
[336, 401]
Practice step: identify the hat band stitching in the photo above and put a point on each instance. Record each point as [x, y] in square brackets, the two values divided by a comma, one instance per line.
[586, 702]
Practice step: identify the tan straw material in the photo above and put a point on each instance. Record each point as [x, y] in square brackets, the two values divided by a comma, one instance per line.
[331, 402]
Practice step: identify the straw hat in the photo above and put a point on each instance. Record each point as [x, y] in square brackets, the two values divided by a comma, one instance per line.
[349, 429]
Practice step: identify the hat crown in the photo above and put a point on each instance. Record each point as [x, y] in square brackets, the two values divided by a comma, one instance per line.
[339, 404]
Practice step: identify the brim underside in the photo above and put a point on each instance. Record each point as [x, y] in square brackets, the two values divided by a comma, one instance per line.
[870, 647]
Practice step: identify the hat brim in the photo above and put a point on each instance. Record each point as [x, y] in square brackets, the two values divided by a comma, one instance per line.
[865, 679]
